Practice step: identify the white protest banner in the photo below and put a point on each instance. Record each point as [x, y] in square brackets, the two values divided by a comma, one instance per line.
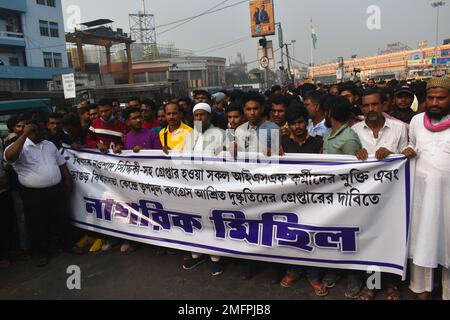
[69, 86]
[314, 210]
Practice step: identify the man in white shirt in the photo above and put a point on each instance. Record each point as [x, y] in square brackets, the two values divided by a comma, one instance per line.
[379, 136]
[429, 136]
[316, 125]
[257, 135]
[42, 170]
[205, 140]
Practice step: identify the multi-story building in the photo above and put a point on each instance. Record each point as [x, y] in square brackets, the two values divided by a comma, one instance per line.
[401, 65]
[32, 44]
[193, 72]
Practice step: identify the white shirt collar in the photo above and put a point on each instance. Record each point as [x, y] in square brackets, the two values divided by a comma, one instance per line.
[320, 124]
[387, 124]
[30, 143]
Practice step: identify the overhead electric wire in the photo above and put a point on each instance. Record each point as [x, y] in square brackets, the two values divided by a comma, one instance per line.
[210, 11]
[298, 61]
[223, 46]
[192, 18]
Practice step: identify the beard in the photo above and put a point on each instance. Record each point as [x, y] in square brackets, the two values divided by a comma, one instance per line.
[372, 116]
[437, 116]
[328, 123]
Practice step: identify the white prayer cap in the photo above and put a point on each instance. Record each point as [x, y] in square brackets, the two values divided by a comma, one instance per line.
[202, 106]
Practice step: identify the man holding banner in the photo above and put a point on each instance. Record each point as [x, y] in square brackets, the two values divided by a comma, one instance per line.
[430, 226]
[380, 137]
[257, 135]
[173, 137]
[341, 140]
[206, 140]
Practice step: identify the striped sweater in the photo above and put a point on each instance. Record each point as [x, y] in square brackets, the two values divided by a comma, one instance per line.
[111, 133]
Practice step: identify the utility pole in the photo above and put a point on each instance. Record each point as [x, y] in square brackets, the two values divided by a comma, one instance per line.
[266, 69]
[291, 77]
[281, 45]
[437, 5]
[293, 42]
[263, 44]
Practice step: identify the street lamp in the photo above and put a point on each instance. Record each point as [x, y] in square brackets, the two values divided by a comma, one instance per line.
[437, 5]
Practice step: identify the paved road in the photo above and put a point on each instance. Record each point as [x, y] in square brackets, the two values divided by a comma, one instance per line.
[144, 275]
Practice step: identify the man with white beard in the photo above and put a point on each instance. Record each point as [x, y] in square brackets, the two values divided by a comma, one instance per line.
[206, 140]
[430, 224]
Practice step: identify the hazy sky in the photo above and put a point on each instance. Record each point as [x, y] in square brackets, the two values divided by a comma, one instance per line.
[340, 24]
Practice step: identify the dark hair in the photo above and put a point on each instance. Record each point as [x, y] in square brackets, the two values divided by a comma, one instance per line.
[307, 87]
[128, 111]
[349, 87]
[134, 99]
[291, 98]
[420, 89]
[204, 92]
[339, 107]
[105, 102]
[393, 83]
[54, 115]
[296, 111]
[93, 106]
[83, 109]
[275, 88]
[279, 99]
[36, 115]
[150, 103]
[267, 108]
[316, 97]
[39, 119]
[235, 106]
[36, 122]
[71, 120]
[388, 92]
[267, 94]
[172, 103]
[12, 122]
[236, 95]
[253, 96]
[65, 108]
[373, 91]
[187, 100]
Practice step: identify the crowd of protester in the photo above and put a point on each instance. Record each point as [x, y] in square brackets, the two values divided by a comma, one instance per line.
[355, 119]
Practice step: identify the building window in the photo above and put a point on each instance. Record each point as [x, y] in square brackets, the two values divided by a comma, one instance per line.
[53, 60]
[13, 61]
[40, 2]
[43, 26]
[51, 3]
[54, 31]
[48, 59]
[57, 59]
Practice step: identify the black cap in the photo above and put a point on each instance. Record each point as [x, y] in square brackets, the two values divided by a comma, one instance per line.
[404, 89]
